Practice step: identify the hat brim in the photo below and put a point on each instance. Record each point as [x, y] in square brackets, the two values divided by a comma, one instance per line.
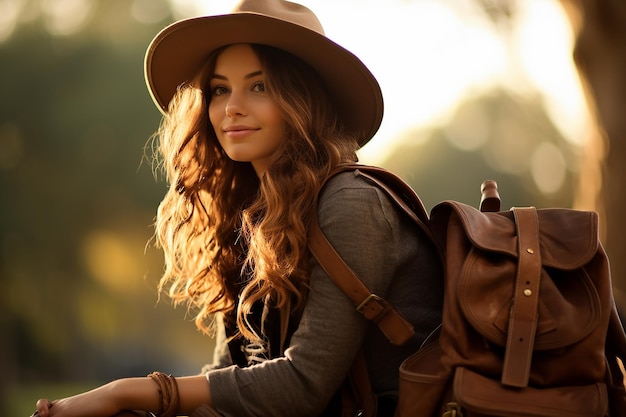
[178, 52]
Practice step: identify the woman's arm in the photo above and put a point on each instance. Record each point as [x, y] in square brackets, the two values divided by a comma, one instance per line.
[127, 394]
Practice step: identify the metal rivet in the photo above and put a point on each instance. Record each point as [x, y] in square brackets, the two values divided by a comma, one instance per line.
[530, 250]
[528, 292]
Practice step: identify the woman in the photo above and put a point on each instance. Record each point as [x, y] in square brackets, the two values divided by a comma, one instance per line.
[259, 106]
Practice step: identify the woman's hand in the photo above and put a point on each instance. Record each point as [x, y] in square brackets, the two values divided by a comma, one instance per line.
[43, 408]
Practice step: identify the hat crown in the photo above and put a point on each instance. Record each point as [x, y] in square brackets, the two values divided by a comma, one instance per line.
[283, 10]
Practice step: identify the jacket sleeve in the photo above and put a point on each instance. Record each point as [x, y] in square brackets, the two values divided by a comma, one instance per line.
[362, 226]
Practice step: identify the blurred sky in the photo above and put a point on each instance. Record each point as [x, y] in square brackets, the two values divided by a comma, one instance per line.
[429, 54]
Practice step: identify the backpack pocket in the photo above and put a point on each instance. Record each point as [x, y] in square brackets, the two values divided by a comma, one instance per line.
[478, 396]
[422, 382]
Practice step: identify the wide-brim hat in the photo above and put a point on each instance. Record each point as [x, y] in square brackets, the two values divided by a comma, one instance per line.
[177, 53]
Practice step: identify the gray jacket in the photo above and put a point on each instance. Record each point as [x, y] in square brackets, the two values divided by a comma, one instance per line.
[393, 258]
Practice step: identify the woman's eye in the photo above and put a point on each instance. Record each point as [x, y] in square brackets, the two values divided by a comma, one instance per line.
[219, 90]
[258, 86]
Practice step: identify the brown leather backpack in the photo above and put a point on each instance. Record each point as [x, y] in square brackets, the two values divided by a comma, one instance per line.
[530, 327]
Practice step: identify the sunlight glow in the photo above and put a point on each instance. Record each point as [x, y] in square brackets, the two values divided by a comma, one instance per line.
[66, 17]
[549, 63]
[112, 258]
[9, 11]
[548, 167]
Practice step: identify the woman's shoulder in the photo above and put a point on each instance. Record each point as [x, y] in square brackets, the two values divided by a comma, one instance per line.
[350, 193]
[346, 180]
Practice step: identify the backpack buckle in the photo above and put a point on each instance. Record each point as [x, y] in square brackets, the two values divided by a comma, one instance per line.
[453, 410]
[373, 306]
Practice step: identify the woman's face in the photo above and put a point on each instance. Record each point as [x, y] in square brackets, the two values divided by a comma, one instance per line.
[246, 120]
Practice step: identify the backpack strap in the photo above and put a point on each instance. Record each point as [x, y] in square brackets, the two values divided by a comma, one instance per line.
[394, 326]
[401, 194]
[523, 318]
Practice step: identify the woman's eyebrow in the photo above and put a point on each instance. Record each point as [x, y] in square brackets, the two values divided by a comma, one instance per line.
[248, 76]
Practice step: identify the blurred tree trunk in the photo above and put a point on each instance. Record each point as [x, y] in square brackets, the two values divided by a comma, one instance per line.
[600, 55]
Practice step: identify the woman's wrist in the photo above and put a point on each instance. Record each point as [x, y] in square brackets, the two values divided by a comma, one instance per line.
[143, 394]
[133, 394]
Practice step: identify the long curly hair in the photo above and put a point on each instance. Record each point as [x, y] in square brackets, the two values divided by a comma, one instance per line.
[230, 238]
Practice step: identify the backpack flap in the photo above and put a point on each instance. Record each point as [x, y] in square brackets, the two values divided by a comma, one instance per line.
[568, 238]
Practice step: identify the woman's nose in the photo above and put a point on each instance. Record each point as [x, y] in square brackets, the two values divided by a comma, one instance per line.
[235, 105]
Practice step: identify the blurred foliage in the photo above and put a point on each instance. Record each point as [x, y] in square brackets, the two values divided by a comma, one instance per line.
[77, 278]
